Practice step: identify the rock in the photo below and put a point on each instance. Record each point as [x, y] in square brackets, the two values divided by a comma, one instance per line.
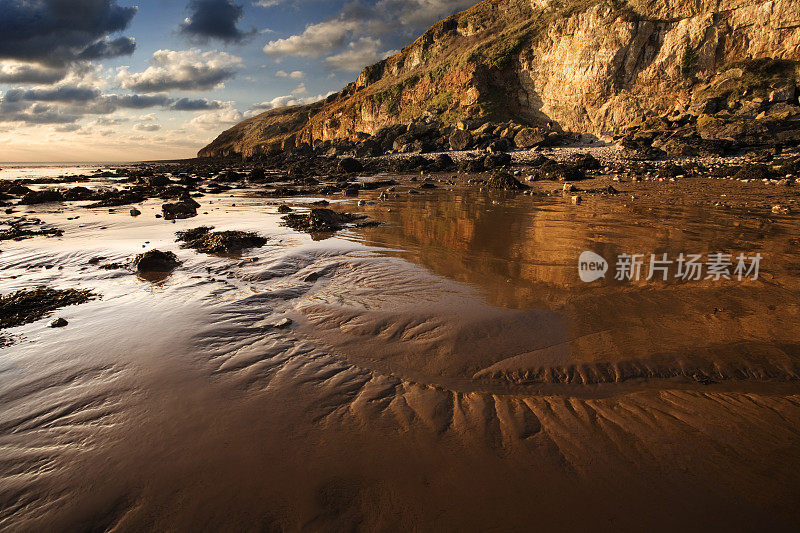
[158, 180]
[257, 175]
[504, 181]
[461, 140]
[784, 93]
[320, 221]
[753, 171]
[186, 208]
[567, 173]
[204, 240]
[135, 212]
[349, 165]
[283, 209]
[156, 261]
[26, 306]
[76, 194]
[41, 197]
[443, 162]
[584, 162]
[499, 146]
[577, 200]
[282, 324]
[493, 161]
[529, 138]
[59, 323]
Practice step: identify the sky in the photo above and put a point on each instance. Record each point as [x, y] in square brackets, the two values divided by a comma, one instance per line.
[119, 80]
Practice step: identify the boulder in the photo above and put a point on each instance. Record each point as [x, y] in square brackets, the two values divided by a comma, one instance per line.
[504, 181]
[41, 197]
[529, 138]
[493, 161]
[185, 208]
[784, 93]
[156, 261]
[349, 165]
[461, 140]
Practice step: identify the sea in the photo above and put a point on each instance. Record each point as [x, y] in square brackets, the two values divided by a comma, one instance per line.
[9, 171]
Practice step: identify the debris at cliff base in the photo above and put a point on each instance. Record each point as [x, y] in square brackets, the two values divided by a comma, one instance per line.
[206, 241]
[25, 306]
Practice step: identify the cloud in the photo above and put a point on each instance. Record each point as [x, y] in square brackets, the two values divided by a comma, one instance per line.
[57, 32]
[151, 117]
[300, 89]
[217, 120]
[138, 101]
[358, 55]
[267, 3]
[295, 75]
[315, 40]
[68, 128]
[107, 121]
[106, 48]
[30, 74]
[214, 19]
[68, 103]
[146, 127]
[186, 104]
[58, 94]
[188, 70]
[351, 39]
[283, 101]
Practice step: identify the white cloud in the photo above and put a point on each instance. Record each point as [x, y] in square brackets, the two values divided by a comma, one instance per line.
[188, 70]
[316, 40]
[148, 118]
[300, 89]
[284, 101]
[146, 127]
[295, 75]
[358, 55]
[218, 119]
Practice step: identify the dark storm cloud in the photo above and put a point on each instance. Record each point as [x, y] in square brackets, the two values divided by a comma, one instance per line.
[137, 101]
[68, 104]
[186, 104]
[214, 19]
[58, 32]
[60, 94]
[124, 46]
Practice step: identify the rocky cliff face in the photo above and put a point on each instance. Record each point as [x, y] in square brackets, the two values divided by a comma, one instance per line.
[589, 66]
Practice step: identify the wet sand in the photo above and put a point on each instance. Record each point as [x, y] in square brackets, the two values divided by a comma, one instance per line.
[445, 370]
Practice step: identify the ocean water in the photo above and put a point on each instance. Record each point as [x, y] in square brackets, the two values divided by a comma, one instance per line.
[50, 170]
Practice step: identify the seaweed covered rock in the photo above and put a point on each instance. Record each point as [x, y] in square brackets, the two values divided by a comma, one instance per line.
[25, 306]
[185, 208]
[206, 241]
[321, 221]
[156, 261]
[42, 197]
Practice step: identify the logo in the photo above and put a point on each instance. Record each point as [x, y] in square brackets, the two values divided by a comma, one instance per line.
[592, 267]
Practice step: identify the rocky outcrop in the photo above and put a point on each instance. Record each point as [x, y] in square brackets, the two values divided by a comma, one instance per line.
[589, 66]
